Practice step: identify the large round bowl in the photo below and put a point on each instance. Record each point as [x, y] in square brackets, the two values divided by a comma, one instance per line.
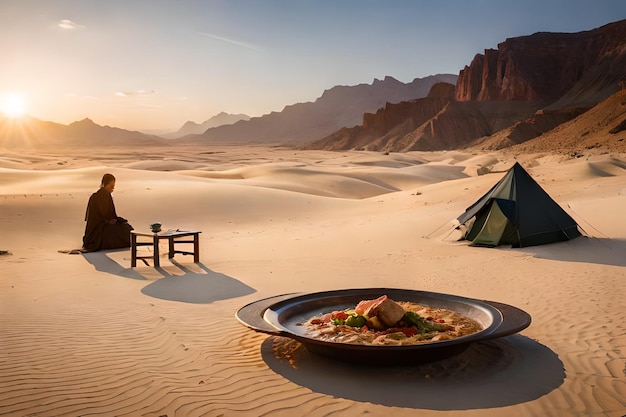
[283, 316]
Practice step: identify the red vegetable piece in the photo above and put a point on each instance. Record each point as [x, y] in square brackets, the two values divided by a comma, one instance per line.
[409, 331]
[340, 315]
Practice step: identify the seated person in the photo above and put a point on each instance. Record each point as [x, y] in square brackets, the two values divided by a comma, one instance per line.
[104, 228]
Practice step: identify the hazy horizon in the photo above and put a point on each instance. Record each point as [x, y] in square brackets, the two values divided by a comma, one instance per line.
[154, 65]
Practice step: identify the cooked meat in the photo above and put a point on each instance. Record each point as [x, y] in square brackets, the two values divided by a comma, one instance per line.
[388, 311]
[365, 305]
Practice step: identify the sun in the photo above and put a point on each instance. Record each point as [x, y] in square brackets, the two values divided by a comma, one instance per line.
[13, 105]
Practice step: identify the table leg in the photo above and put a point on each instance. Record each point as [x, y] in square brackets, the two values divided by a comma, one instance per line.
[171, 247]
[133, 250]
[196, 248]
[157, 263]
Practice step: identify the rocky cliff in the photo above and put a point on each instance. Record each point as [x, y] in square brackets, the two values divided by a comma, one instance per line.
[558, 69]
[528, 86]
[435, 122]
[602, 128]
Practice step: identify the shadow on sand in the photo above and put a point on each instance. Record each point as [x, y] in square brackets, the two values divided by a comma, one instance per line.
[496, 373]
[583, 249]
[197, 288]
[104, 263]
[195, 284]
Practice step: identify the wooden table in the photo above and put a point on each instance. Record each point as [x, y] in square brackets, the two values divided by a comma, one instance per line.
[172, 236]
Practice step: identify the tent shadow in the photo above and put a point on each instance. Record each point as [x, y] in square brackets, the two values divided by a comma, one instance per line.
[583, 249]
[496, 373]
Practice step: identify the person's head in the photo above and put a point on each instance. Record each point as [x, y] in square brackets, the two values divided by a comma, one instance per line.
[108, 182]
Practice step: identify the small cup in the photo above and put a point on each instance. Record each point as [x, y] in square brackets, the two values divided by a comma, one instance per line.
[155, 227]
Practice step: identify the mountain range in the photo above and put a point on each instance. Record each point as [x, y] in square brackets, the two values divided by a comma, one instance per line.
[337, 107]
[28, 132]
[299, 123]
[193, 128]
[544, 91]
[506, 97]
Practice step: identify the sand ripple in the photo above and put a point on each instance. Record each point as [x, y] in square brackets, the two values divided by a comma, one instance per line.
[133, 363]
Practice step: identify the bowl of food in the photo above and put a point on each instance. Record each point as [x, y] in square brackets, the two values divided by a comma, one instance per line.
[383, 326]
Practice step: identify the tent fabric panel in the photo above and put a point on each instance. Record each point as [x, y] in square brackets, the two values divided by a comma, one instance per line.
[506, 188]
[510, 236]
[547, 226]
[508, 208]
[538, 213]
[549, 237]
[479, 222]
[502, 189]
[493, 227]
[473, 210]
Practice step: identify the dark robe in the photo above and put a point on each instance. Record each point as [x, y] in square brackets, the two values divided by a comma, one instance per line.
[99, 232]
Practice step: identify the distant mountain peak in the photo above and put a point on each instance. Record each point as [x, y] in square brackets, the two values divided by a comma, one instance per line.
[387, 79]
[84, 122]
[192, 128]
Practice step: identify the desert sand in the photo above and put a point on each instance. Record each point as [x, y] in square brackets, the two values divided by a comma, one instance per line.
[87, 335]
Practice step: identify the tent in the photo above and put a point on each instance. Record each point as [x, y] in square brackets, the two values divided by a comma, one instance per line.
[517, 211]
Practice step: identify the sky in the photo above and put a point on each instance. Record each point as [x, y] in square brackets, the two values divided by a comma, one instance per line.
[152, 65]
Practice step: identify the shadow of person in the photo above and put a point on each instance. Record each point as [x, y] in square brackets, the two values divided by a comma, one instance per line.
[496, 373]
[104, 263]
[197, 288]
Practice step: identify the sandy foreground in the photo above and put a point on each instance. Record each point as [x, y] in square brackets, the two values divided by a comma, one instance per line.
[87, 335]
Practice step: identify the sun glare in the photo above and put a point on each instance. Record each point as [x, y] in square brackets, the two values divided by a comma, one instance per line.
[13, 105]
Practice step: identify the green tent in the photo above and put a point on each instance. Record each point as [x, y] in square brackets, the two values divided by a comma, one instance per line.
[517, 211]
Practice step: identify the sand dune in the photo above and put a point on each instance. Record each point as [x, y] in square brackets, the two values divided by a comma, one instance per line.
[345, 182]
[87, 334]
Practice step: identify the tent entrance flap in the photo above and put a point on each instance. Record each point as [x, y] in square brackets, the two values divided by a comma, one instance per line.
[490, 226]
